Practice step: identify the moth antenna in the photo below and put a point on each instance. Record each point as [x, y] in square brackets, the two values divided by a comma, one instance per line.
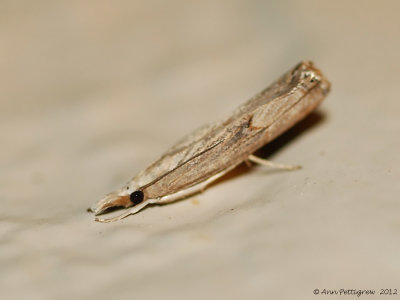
[132, 211]
[113, 219]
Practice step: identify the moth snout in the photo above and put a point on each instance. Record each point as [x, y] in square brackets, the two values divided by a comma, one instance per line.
[112, 200]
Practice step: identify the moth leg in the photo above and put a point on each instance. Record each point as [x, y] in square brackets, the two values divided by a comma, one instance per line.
[248, 163]
[198, 188]
[268, 163]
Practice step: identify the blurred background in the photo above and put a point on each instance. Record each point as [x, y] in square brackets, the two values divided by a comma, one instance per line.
[93, 91]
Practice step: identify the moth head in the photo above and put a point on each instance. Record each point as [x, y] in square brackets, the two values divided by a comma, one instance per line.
[123, 198]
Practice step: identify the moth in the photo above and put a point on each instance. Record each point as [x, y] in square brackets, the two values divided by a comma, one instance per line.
[213, 150]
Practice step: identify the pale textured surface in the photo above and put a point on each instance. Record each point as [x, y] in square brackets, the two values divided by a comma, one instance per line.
[91, 92]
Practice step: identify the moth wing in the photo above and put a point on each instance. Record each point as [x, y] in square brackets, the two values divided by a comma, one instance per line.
[193, 137]
[192, 144]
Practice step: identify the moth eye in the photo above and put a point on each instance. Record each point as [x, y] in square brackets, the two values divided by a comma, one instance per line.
[136, 197]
